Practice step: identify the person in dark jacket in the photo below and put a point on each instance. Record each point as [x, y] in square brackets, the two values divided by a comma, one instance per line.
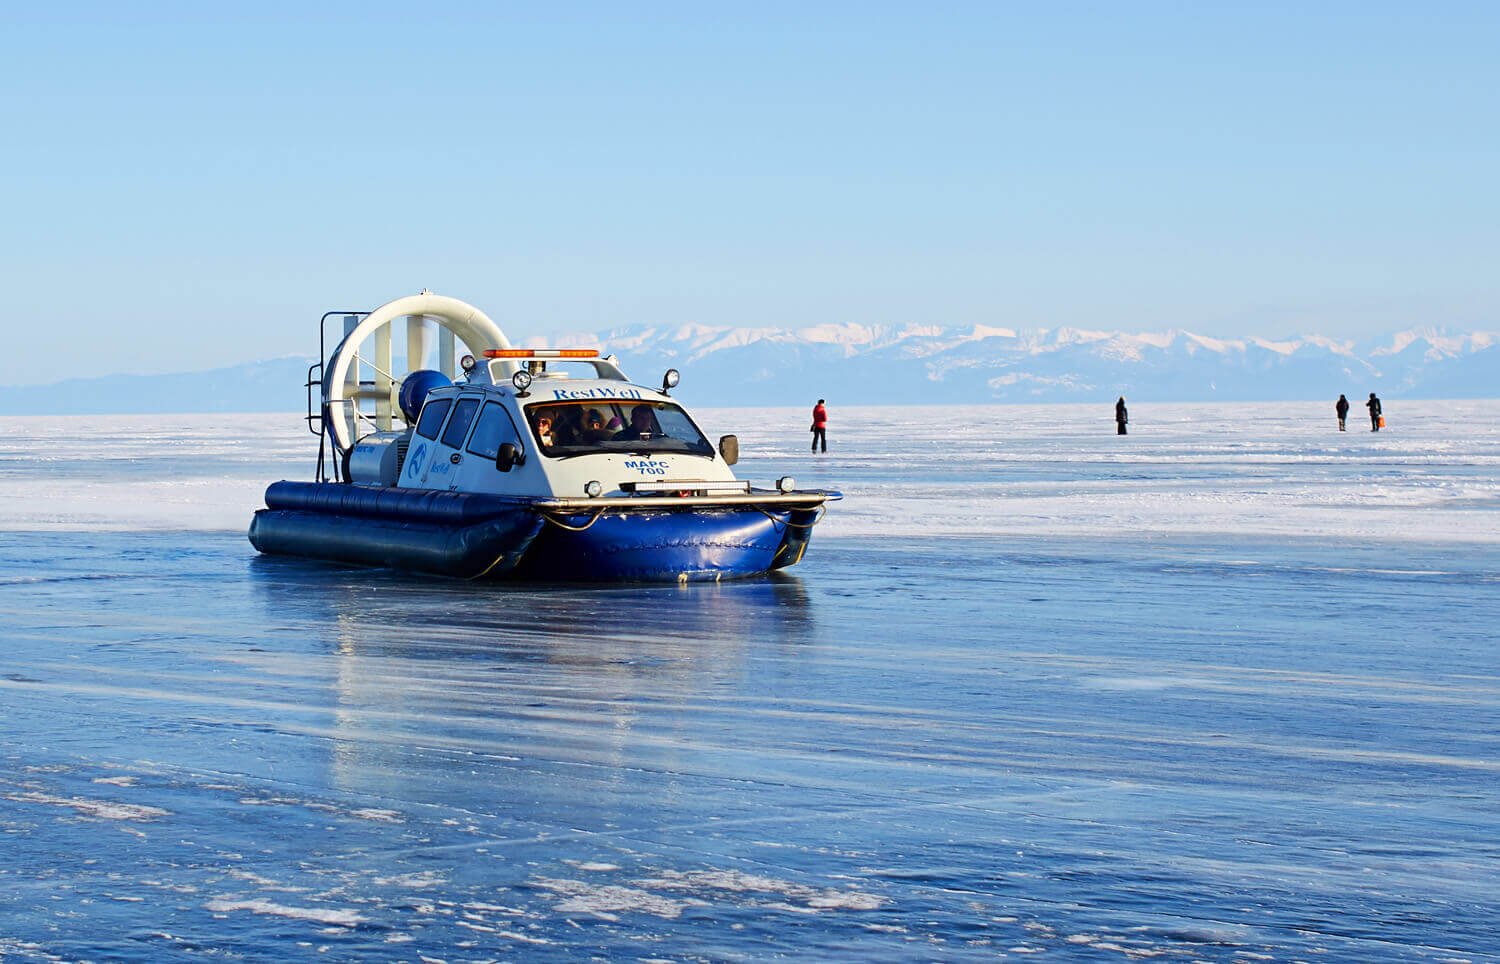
[1342, 407]
[642, 428]
[820, 426]
[1121, 416]
[1374, 406]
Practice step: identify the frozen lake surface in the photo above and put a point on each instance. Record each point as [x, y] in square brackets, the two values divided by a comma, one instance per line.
[1227, 688]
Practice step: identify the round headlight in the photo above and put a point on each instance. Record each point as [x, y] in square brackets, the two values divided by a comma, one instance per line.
[521, 379]
[671, 378]
[466, 363]
[592, 489]
[786, 484]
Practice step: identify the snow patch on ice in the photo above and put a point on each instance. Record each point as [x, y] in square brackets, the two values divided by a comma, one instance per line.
[102, 809]
[1135, 952]
[418, 880]
[33, 951]
[523, 938]
[265, 883]
[608, 901]
[814, 898]
[494, 908]
[345, 918]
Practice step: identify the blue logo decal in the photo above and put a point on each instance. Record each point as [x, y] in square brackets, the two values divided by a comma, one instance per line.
[596, 393]
[415, 462]
[647, 466]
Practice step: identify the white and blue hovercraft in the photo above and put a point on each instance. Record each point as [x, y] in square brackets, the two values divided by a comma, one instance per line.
[501, 465]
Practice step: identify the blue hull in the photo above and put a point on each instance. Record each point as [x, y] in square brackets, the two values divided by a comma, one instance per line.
[681, 545]
[480, 536]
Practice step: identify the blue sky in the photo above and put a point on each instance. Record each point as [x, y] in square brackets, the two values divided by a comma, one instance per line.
[187, 186]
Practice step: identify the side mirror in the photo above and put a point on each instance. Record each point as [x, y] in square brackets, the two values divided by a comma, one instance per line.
[508, 457]
[729, 448]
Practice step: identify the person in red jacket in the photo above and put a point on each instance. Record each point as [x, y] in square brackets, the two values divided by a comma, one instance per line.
[820, 426]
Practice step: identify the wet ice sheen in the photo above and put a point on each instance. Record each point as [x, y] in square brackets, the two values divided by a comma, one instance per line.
[1219, 690]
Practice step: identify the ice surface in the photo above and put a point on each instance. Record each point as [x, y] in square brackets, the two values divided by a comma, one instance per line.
[1226, 688]
[1006, 470]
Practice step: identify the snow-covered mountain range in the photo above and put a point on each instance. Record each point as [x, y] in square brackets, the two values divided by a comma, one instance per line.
[860, 364]
[870, 364]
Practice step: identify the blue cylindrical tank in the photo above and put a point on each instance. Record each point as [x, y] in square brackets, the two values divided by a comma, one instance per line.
[414, 389]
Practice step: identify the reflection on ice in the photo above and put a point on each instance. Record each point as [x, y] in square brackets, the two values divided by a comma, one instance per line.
[438, 612]
[499, 669]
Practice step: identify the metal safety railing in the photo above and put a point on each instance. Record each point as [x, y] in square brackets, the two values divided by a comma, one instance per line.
[317, 411]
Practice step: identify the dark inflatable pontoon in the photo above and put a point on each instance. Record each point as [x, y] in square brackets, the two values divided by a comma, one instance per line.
[477, 535]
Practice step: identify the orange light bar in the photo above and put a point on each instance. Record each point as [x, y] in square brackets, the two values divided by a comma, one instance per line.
[541, 353]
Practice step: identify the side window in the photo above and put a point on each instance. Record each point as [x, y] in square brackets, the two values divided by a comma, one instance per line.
[493, 430]
[432, 417]
[458, 425]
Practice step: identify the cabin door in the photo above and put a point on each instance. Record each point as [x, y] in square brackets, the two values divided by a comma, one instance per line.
[493, 427]
[447, 459]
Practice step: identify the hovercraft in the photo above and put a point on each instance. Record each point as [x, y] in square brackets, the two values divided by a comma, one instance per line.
[523, 463]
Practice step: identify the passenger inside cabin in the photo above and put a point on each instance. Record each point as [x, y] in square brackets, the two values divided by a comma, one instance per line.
[593, 426]
[642, 426]
[569, 427]
[544, 425]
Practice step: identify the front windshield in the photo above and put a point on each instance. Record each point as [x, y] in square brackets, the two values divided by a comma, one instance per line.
[588, 428]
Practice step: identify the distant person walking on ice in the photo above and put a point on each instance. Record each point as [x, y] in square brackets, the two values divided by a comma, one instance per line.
[1342, 407]
[1374, 406]
[820, 426]
[1121, 416]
